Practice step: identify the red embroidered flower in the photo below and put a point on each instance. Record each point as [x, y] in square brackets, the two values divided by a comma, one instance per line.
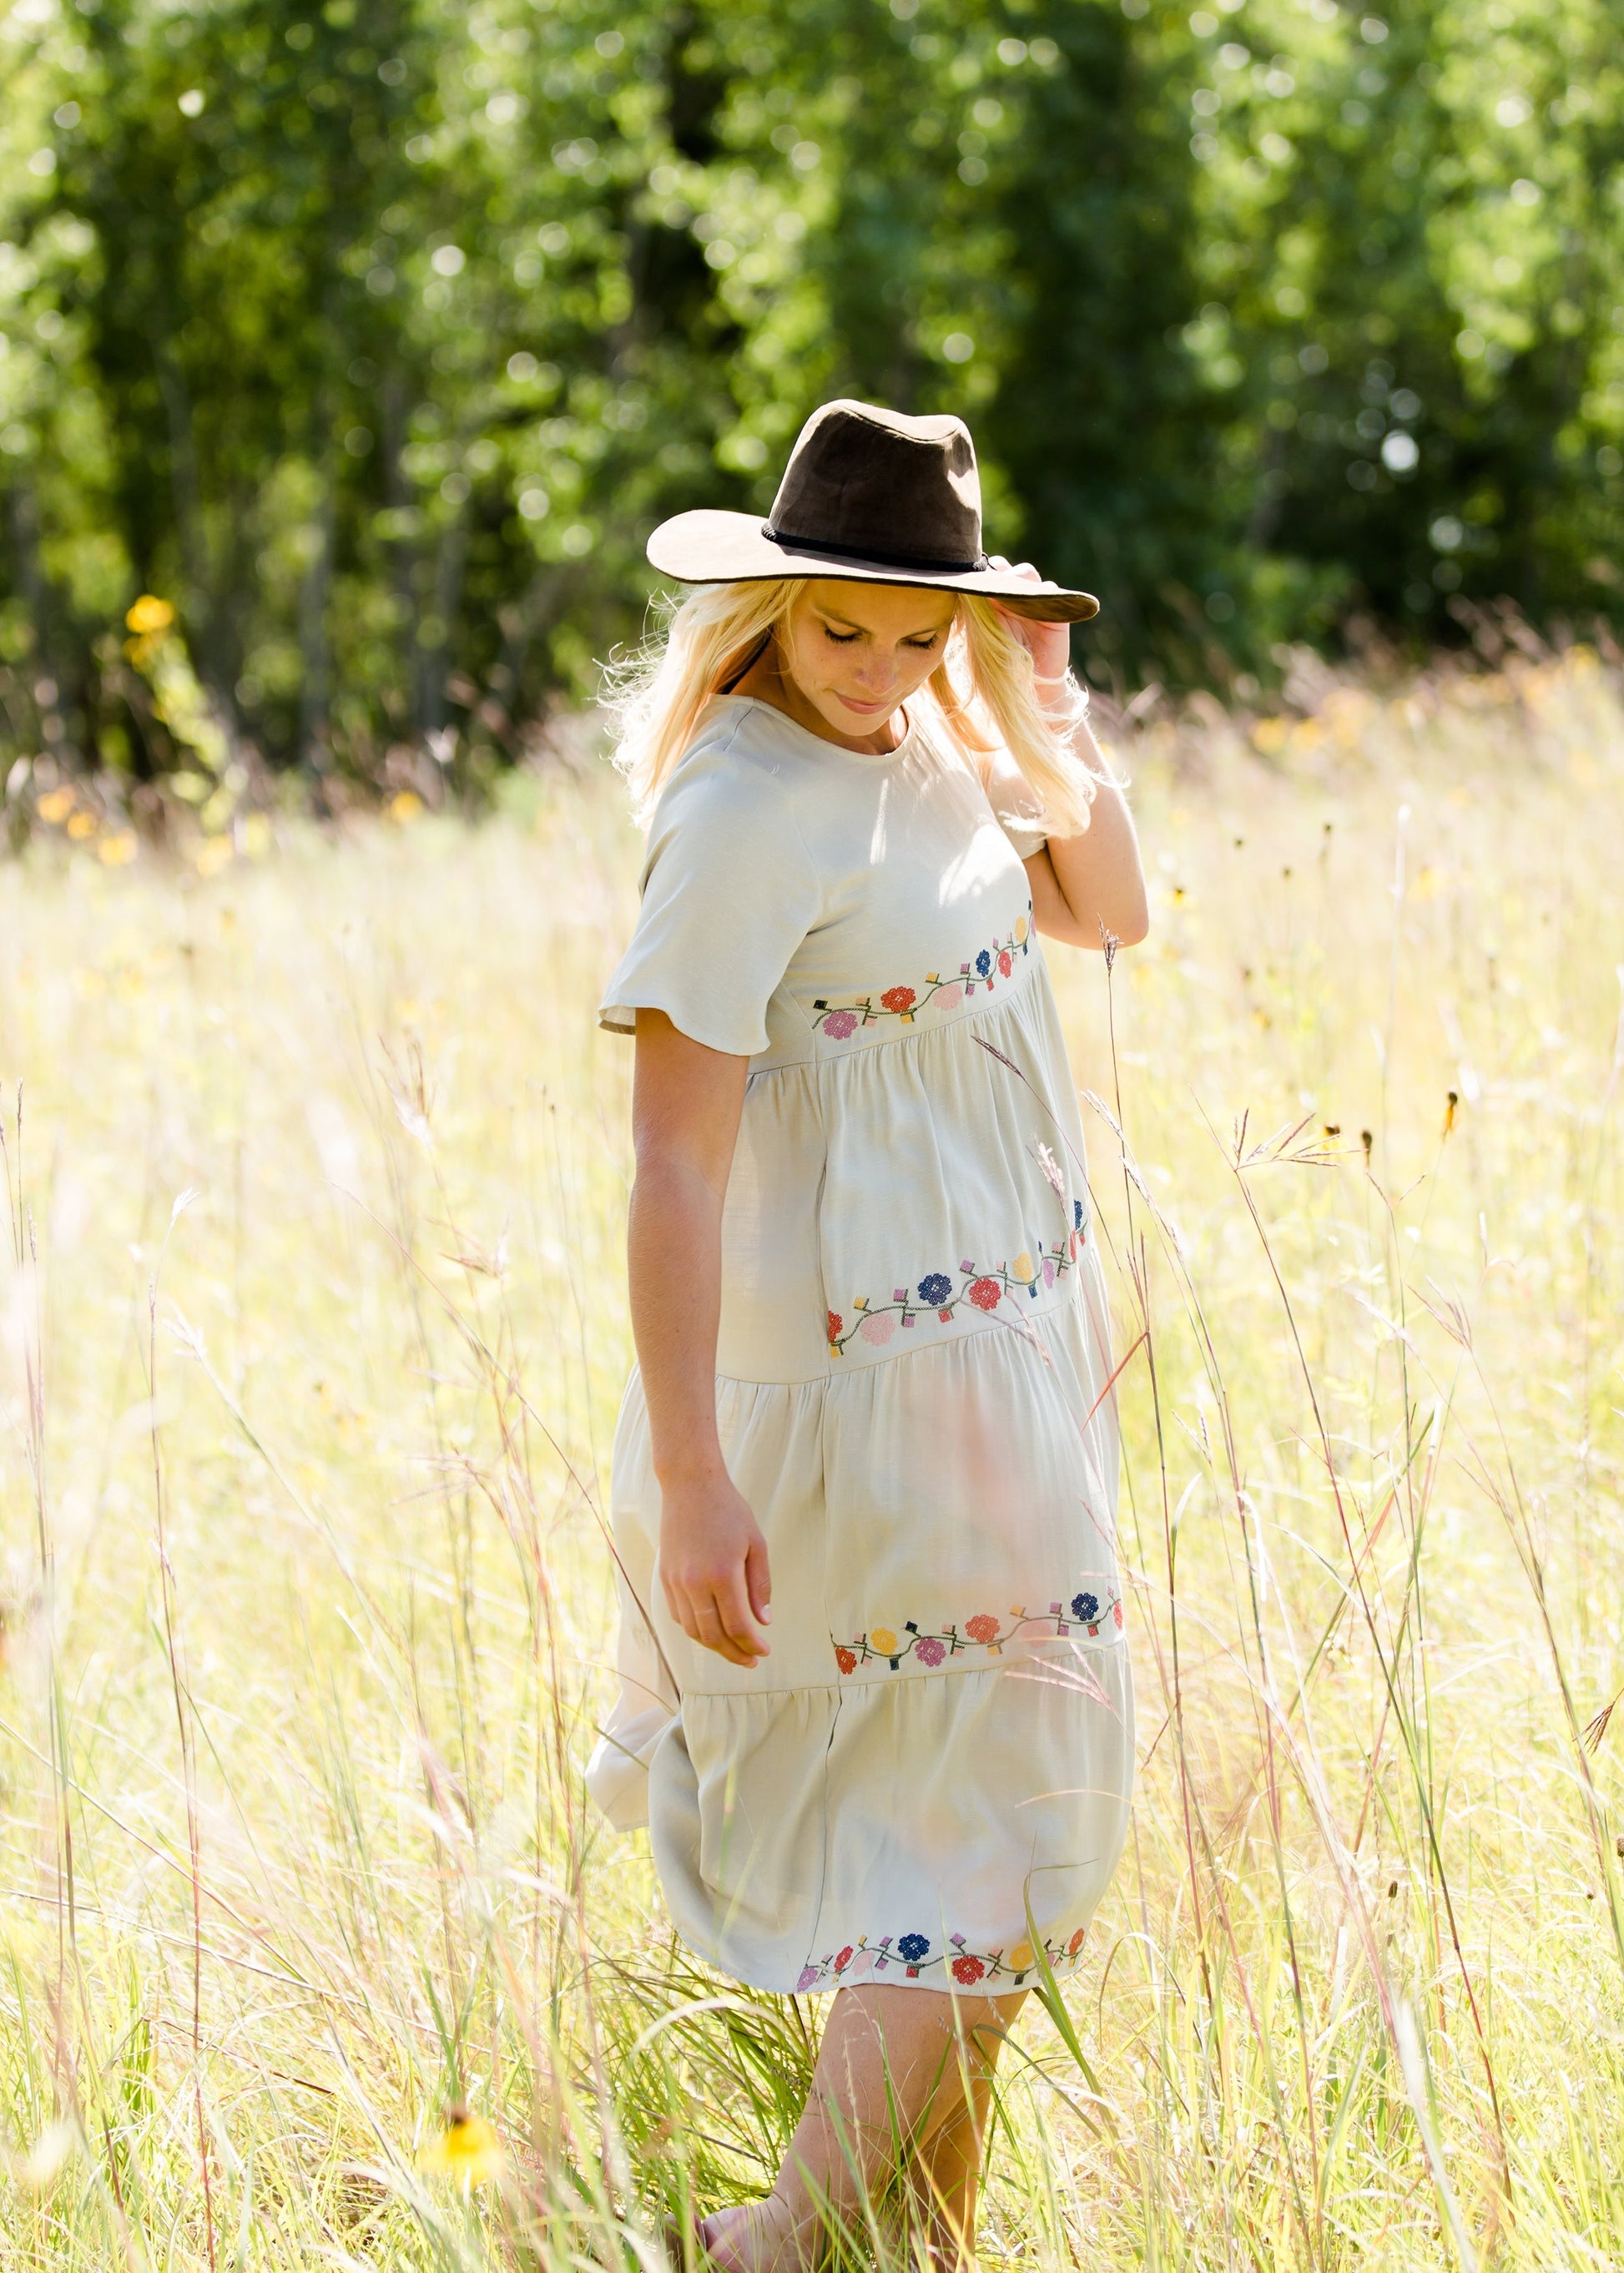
[1076, 1942]
[967, 1970]
[1006, 964]
[986, 1293]
[1116, 1613]
[836, 1322]
[982, 1628]
[898, 998]
[844, 1960]
[845, 1658]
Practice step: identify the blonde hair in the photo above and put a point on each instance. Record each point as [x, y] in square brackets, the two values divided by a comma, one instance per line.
[981, 690]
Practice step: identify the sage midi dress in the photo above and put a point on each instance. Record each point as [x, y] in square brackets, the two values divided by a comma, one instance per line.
[927, 1781]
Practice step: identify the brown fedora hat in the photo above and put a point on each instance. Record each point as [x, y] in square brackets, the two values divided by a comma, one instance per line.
[867, 494]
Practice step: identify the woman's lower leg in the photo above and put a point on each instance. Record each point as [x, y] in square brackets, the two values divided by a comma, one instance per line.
[899, 2093]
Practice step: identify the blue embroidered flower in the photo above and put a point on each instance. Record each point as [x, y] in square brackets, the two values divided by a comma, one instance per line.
[1076, 1215]
[1086, 1607]
[983, 963]
[913, 1947]
[935, 1289]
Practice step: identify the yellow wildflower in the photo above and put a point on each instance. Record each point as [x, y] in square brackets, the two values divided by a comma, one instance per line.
[467, 2149]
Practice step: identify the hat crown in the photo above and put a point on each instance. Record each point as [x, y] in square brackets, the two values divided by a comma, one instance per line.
[873, 483]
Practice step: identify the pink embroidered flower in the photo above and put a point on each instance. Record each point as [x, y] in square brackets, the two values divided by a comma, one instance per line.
[982, 1628]
[898, 998]
[879, 1328]
[949, 998]
[1049, 1270]
[986, 1293]
[844, 1960]
[808, 1979]
[836, 1323]
[1006, 964]
[1116, 1613]
[966, 1970]
[839, 1023]
[845, 1658]
[930, 1650]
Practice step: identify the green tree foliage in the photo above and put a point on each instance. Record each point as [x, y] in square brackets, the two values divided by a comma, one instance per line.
[375, 334]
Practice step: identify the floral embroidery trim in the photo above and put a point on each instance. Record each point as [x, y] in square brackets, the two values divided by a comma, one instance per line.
[934, 1295]
[885, 1645]
[913, 1953]
[841, 1020]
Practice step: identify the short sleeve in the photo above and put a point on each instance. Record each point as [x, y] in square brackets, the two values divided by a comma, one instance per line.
[729, 892]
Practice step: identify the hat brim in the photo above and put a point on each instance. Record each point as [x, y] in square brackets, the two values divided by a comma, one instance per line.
[713, 547]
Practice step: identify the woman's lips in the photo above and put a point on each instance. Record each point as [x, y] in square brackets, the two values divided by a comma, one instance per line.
[867, 709]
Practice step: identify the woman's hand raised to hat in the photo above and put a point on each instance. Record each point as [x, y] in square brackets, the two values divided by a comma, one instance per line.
[1049, 645]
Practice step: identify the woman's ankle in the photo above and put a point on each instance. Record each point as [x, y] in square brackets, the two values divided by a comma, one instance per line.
[755, 2237]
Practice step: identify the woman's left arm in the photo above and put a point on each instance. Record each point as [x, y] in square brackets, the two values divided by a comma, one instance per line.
[1084, 887]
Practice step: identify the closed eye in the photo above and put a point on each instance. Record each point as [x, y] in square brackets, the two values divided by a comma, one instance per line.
[841, 639]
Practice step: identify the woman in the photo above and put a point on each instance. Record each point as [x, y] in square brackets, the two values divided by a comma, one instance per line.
[874, 1701]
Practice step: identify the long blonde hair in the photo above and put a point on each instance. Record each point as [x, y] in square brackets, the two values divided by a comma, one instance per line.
[983, 691]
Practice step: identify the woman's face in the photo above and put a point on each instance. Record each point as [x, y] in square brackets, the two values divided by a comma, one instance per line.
[857, 651]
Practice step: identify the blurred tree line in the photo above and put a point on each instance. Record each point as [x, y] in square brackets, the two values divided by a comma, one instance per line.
[374, 335]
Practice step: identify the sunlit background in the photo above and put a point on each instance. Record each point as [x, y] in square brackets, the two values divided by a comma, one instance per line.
[374, 337]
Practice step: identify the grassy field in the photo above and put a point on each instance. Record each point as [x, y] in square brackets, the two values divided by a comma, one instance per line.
[312, 1329]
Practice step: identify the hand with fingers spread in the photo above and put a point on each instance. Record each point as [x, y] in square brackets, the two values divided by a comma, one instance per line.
[1049, 645]
[713, 1568]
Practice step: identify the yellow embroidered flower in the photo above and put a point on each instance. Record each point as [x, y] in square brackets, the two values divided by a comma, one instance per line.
[1020, 1957]
[882, 1639]
[1021, 933]
[467, 2149]
[1022, 1265]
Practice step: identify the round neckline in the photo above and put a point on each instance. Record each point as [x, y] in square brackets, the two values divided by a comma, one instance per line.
[822, 741]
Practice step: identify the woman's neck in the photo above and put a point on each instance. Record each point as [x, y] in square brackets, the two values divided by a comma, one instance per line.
[767, 681]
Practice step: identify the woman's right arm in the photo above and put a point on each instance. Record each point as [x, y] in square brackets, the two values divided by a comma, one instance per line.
[686, 1104]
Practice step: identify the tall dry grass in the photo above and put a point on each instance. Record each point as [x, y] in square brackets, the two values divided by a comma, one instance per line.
[314, 1327]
